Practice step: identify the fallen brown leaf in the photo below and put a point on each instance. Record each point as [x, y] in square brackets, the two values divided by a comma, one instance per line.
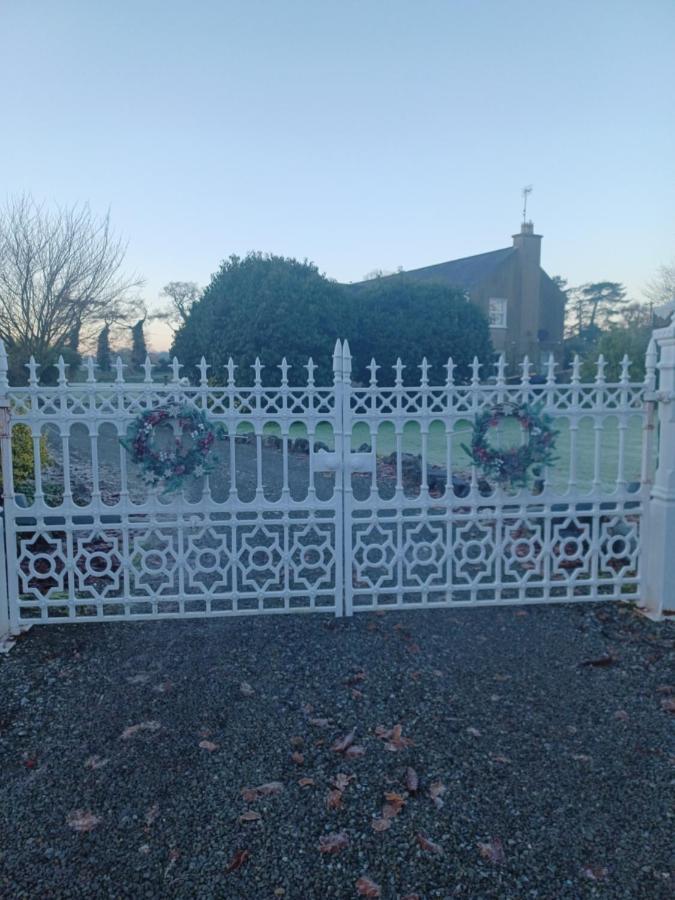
[380, 824]
[238, 860]
[665, 689]
[306, 782]
[393, 737]
[298, 758]
[271, 789]
[492, 850]
[250, 815]
[366, 887]
[595, 873]
[208, 745]
[343, 743]
[600, 661]
[334, 799]
[152, 814]
[355, 751]
[668, 704]
[333, 843]
[341, 781]
[395, 801]
[319, 723]
[427, 844]
[412, 782]
[81, 820]
[621, 715]
[131, 730]
[436, 790]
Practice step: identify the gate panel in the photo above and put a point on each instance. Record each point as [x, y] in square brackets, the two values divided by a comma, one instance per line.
[262, 534]
[425, 529]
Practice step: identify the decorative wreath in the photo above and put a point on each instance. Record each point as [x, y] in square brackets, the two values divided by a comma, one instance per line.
[515, 464]
[172, 467]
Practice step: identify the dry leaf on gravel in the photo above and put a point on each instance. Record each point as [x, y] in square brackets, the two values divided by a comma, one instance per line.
[95, 762]
[621, 715]
[131, 730]
[305, 782]
[297, 741]
[380, 824]
[366, 887]
[436, 791]
[238, 860]
[427, 844]
[474, 732]
[595, 873]
[412, 781]
[395, 803]
[334, 799]
[246, 690]
[355, 751]
[82, 820]
[250, 815]
[341, 781]
[600, 661]
[343, 743]
[208, 745]
[393, 737]
[271, 789]
[492, 850]
[668, 704]
[319, 723]
[152, 814]
[298, 758]
[333, 843]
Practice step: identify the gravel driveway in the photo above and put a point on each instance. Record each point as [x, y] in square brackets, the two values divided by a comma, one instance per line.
[532, 758]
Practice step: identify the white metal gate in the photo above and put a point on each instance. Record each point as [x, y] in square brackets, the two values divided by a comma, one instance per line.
[318, 503]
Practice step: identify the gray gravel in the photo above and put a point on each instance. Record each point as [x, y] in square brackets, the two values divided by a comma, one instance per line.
[565, 763]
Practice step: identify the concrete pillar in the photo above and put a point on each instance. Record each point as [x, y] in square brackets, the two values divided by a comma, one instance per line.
[658, 555]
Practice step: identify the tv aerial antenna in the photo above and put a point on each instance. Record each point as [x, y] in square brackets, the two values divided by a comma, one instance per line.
[526, 191]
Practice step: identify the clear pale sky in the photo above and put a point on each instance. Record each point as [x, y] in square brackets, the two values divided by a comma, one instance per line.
[357, 134]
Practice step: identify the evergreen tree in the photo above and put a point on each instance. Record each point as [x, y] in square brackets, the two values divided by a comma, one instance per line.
[138, 348]
[103, 359]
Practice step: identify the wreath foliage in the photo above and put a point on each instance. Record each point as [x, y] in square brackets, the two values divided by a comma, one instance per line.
[513, 466]
[171, 466]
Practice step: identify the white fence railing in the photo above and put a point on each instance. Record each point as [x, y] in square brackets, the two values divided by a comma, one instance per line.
[334, 498]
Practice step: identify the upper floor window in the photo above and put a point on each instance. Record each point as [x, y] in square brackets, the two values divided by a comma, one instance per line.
[497, 312]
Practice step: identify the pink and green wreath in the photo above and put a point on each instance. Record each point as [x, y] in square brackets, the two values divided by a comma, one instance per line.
[514, 465]
[189, 455]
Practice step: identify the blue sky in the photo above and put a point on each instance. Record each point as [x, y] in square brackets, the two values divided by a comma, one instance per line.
[359, 135]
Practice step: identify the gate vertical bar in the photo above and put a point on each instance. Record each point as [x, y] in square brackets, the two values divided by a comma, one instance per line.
[338, 486]
[345, 459]
[659, 561]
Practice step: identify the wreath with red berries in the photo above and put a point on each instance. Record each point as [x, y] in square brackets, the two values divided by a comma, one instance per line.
[515, 465]
[189, 455]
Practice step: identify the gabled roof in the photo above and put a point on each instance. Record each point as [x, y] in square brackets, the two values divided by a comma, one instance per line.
[463, 273]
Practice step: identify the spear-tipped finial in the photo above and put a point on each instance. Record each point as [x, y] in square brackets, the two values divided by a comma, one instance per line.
[475, 371]
[450, 371]
[61, 369]
[501, 370]
[91, 370]
[119, 369]
[147, 368]
[203, 372]
[424, 368]
[175, 370]
[525, 366]
[398, 369]
[550, 369]
[32, 367]
[310, 365]
[600, 377]
[257, 371]
[625, 370]
[284, 372]
[230, 372]
[576, 369]
[372, 368]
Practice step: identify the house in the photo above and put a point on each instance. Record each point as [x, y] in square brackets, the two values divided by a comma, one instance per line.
[524, 306]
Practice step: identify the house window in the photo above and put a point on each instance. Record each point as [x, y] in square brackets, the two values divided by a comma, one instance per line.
[497, 312]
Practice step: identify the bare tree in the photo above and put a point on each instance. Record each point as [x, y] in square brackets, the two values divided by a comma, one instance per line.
[662, 288]
[60, 275]
[183, 296]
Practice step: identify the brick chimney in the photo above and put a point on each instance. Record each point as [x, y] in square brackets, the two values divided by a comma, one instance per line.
[528, 245]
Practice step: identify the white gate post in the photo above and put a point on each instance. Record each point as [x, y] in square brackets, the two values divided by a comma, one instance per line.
[7, 488]
[659, 553]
